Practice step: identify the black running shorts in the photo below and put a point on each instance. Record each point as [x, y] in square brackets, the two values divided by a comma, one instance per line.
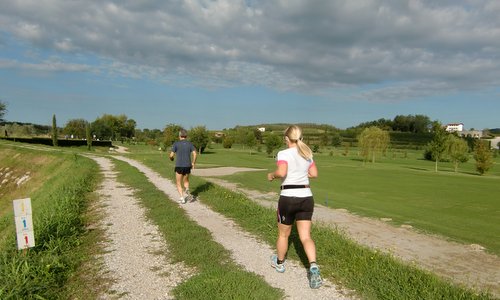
[294, 208]
[183, 170]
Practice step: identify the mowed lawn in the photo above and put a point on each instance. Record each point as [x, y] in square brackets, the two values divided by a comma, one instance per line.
[462, 206]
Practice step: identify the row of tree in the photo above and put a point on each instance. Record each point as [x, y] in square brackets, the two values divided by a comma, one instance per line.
[199, 136]
[106, 127]
[449, 146]
[371, 141]
[373, 137]
[408, 123]
[55, 133]
[444, 146]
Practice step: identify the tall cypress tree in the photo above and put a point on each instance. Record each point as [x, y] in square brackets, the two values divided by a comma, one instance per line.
[89, 136]
[54, 131]
[3, 109]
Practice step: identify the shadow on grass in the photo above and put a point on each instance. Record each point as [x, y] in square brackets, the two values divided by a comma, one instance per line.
[471, 173]
[417, 169]
[202, 188]
[357, 159]
[208, 152]
[445, 171]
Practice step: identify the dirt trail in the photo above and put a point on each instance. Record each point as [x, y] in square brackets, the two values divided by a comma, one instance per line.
[463, 264]
[135, 250]
[245, 249]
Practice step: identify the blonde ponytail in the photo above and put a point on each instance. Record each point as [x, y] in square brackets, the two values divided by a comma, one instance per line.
[304, 150]
[294, 134]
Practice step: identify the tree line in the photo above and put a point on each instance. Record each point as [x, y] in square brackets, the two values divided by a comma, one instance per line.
[444, 145]
[402, 123]
[373, 137]
[106, 127]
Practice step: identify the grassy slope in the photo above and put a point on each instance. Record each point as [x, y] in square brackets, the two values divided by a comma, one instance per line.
[59, 187]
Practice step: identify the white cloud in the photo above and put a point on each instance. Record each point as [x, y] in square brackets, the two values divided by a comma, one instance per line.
[49, 65]
[306, 46]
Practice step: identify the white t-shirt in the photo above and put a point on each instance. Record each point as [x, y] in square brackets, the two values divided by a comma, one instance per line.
[297, 174]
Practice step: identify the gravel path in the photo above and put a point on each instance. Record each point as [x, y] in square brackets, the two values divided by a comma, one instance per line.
[246, 250]
[135, 251]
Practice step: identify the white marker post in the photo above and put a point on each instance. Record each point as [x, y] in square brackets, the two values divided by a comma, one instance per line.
[24, 223]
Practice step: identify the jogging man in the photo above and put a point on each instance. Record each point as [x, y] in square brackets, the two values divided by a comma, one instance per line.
[185, 152]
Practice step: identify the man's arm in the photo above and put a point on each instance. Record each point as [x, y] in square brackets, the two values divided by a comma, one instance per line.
[171, 156]
[194, 158]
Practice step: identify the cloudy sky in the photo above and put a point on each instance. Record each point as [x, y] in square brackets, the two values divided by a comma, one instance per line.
[234, 62]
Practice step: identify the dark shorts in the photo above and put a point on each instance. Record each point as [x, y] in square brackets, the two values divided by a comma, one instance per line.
[183, 170]
[294, 208]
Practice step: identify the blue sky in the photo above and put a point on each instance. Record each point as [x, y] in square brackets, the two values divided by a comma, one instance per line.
[227, 63]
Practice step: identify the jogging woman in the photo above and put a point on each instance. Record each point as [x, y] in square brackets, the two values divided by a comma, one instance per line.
[295, 166]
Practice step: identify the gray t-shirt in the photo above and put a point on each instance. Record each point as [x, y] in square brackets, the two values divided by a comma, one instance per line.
[182, 150]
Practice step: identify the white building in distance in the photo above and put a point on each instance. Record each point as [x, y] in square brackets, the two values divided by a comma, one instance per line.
[455, 127]
[459, 129]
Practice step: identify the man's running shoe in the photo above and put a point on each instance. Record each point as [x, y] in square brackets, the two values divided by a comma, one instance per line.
[182, 200]
[274, 263]
[315, 280]
[188, 196]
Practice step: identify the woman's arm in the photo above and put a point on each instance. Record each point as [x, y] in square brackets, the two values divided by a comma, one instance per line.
[313, 171]
[280, 172]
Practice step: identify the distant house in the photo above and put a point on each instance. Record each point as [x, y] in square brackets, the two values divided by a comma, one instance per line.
[455, 127]
[472, 133]
[495, 142]
[459, 129]
[262, 129]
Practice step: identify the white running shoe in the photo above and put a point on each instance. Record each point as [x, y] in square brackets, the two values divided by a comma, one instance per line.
[188, 196]
[274, 263]
[315, 280]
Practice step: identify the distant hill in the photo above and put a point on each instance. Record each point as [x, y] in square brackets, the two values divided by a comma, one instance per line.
[495, 131]
[282, 126]
[314, 133]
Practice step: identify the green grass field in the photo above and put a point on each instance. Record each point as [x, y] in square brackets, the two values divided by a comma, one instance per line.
[402, 187]
[460, 206]
[374, 275]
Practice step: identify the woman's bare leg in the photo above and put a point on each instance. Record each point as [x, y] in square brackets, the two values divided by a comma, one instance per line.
[304, 230]
[282, 242]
